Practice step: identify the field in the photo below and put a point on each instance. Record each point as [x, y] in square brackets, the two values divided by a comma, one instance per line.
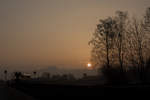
[44, 91]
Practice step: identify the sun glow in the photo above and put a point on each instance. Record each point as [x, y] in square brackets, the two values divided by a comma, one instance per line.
[89, 65]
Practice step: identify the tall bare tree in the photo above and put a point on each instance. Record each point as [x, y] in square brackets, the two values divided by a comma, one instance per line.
[120, 31]
[103, 42]
[138, 43]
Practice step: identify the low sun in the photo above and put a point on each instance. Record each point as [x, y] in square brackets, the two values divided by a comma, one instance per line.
[89, 65]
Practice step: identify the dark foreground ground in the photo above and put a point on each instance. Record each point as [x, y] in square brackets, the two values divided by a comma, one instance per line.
[46, 91]
[8, 93]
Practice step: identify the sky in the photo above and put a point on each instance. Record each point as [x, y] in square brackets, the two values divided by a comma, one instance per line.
[55, 32]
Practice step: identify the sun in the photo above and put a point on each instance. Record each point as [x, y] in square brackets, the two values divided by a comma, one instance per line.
[89, 65]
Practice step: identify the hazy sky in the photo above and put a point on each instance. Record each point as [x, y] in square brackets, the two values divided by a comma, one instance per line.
[54, 32]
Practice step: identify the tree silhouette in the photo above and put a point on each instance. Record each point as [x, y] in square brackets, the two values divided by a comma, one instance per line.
[5, 72]
[34, 73]
[138, 44]
[123, 42]
[103, 42]
[120, 31]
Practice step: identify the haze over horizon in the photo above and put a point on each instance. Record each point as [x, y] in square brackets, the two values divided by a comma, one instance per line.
[55, 32]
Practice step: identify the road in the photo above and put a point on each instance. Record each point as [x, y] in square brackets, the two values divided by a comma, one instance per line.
[7, 93]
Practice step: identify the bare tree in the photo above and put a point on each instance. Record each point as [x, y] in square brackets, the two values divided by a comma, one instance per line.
[102, 42]
[138, 44]
[120, 31]
[122, 40]
[146, 25]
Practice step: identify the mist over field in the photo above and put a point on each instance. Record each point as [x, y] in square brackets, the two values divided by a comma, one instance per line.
[53, 70]
[74, 48]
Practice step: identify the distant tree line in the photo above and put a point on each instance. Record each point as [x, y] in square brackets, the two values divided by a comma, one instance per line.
[18, 76]
[121, 46]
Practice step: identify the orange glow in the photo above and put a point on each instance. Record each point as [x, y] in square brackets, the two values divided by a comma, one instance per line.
[55, 32]
[89, 65]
